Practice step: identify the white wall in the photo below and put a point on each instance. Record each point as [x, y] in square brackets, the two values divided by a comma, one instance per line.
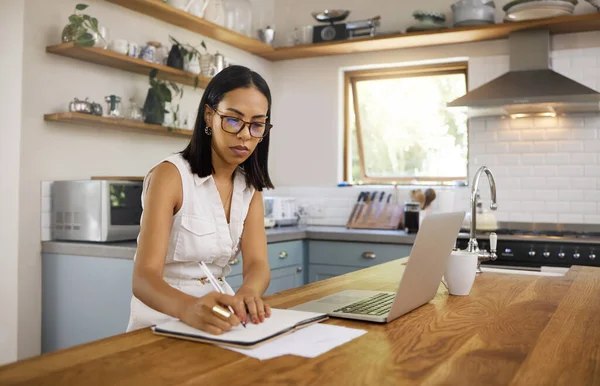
[11, 46]
[396, 15]
[52, 151]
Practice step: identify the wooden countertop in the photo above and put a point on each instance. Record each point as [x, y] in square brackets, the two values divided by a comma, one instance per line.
[512, 329]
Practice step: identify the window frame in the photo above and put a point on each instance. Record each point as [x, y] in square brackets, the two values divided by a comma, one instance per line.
[350, 80]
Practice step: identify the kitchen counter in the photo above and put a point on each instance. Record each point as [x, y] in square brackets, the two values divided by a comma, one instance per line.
[511, 329]
[126, 250]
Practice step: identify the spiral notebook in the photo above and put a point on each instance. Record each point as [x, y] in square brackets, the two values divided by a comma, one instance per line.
[280, 323]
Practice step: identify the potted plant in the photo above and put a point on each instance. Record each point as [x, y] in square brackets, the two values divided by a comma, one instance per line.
[185, 56]
[79, 27]
[159, 93]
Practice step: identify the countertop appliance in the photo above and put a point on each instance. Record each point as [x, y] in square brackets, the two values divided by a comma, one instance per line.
[282, 210]
[532, 246]
[95, 210]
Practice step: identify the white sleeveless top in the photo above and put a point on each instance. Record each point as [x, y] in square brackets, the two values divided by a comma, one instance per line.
[200, 232]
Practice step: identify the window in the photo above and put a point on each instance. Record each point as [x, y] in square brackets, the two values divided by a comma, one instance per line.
[398, 128]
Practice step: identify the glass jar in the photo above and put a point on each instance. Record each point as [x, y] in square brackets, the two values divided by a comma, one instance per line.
[238, 16]
[411, 217]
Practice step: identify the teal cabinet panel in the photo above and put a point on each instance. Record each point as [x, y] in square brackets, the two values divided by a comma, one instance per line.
[83, 299]
[286, 254]
[352, 254]
[235, 281]
[317, 272]
[285, 278]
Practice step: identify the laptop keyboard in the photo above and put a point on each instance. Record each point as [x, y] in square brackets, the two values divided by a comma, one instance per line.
[377, 305]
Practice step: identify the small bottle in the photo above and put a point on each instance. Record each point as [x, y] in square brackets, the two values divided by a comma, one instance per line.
[411, 217]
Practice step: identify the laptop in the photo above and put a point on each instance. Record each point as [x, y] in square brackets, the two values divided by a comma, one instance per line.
[418, 284]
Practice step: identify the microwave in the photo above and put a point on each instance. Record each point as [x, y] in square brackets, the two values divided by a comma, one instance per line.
[282, 210]
[95, 210]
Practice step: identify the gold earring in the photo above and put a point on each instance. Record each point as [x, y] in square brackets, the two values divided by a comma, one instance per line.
[208, 130]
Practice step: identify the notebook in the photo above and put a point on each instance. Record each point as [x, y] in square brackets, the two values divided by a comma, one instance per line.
[280, 323]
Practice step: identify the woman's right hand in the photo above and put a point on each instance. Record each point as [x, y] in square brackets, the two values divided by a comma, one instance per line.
[199, 313]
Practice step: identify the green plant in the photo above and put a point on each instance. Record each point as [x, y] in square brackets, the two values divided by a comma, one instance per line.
[81, 24]
[163, 92]
[189, 51]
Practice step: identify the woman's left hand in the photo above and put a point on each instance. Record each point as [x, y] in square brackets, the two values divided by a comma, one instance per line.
[258, 310]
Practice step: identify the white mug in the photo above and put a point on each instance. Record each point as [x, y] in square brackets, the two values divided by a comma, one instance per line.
[134, 50]
[460, 273]
[119, 45]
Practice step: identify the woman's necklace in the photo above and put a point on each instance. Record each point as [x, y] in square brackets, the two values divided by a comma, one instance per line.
[227, 206]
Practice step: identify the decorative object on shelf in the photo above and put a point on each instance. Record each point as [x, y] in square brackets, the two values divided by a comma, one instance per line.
[520, 10]
[120, 46]
[196, 7]
[215, 12]
[219, 62]
[148, 53]
[79, 106]
[81, 27]
[238, 16]
[335, 30]
[473, 12]
[266, 35]
[305, 35]
[158, 95]
[428, 21]
[595, 3]
[134, 50]
[97, 109]
[175, 58]
[101, 37]
[113, 104]
[185, 55]
[162, 53]
[135, 112]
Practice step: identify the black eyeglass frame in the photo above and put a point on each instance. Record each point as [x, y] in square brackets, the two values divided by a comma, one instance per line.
[268, 126]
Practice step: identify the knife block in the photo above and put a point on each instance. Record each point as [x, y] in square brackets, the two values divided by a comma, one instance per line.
[375, 215]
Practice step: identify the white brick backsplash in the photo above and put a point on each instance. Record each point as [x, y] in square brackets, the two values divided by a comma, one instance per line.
[508, 159]
[545, 194]
[485, 159]
[558, 158]
[533, 182]
[476, 125]
[592, 146]
[520, 171]
[497, 124]
[510, 206]
[482, 136]
[583, 61]
[533, 159]
[583, 207]
[591, 219]
[570, 195]
[45, 220]
[561, 64]
[592, 195]
[568, 146]
[545, 122]
[534, 206]
[592, 170]
[514, 194]
[545, 171]
[583, 158]
[477, 148]
[571, 121]
[513, 135]
[509, 183]
[501, 216]
[500, 171]
[569, 218]
[583, 133]
[570, 171]
[521, 123]
[582, 183]
[521, 147]
[545, 217]
[46, 205]
[533, 135]
[592, 121]
[497, 147]
[46, 187]
[45, 234]
[557, 182]
[545, 146]
[520, 217]
[558, 134]
[558, 206]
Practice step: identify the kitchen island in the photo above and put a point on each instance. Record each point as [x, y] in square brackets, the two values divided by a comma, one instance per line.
[511, 329]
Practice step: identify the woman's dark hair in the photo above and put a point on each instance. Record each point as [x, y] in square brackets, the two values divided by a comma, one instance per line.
[198, 152]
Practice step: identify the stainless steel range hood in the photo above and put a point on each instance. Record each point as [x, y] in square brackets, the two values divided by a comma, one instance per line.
[530, 87]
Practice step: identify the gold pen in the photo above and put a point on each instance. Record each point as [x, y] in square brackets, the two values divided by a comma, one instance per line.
[217, 287]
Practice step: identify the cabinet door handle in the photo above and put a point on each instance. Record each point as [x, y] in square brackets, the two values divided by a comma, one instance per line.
[235, 261]
[283, 255]
[369, 255]
[299, 269]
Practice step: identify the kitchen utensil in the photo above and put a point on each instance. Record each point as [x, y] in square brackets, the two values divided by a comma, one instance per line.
[135, 112]
[79, 106]
[215, 12]
[355, 209]
[429, 197]
[411, 217]
[417, 195]
[379, 206]
[520, 10]
[113, 103]
[120, 46]
[460, 273]
[473, 12]
[219, 62]
[361, 205]
[133, 50]
[427, 21]
[207, 65]
[266, 35]
[361, 28]
[148, 53]
[331, 15]
[96, 109]
[369, 206]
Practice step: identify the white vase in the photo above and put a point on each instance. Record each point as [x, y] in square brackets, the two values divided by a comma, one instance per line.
[192, 65]
[215, 12]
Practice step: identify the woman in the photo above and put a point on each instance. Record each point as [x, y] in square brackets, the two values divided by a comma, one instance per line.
[203, 205]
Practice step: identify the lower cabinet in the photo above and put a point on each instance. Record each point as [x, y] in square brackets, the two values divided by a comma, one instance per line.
[328, 259]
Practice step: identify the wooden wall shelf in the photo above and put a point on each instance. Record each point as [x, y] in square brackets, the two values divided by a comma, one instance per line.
[116, 123]
[557, 25]
[127, 63]
[159, 10]
[167, 13]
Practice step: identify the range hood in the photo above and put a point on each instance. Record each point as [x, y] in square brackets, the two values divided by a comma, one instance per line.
[530, 88]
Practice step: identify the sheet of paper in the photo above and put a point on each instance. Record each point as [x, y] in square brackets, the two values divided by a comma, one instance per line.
[308, 342]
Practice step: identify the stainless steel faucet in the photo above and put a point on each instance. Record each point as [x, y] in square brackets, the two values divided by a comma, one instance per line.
[483, 255]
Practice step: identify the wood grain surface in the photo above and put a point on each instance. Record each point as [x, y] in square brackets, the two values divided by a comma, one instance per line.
[511, 329]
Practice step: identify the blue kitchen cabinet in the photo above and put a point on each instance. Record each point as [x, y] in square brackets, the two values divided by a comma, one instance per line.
[83, 299]
[328, 259]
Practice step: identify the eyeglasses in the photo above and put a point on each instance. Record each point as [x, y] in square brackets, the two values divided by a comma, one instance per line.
[234, 125]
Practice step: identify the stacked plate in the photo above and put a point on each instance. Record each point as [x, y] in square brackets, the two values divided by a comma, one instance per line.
[520, 10]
